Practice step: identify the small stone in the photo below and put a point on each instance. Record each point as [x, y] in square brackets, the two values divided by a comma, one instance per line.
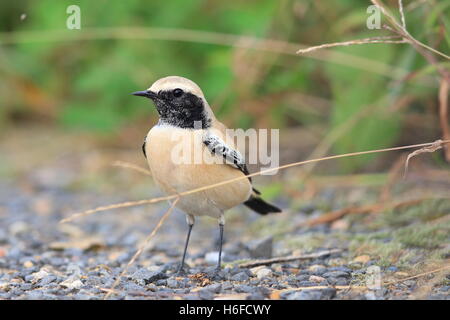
[409, 283]
[401, 274]
[317, 269]
[261, 272]
[143, 276]
[216, 287]
[362, 259]
[205, 294]
[28, 264]
[241, 276]
[371, 295]
[46, 280]
[302, 277]
[340, 224]
[341, 282]
[71, 283]
[227, 285]
[336, 274]
[172, 283]
[261, 248]
[264, 273]
[35, 277]
[211, 258]
[324, 294]
[243, 288]
[18, 228]
[392, 269]
[317, 279]
[4, 286]
[161, 282]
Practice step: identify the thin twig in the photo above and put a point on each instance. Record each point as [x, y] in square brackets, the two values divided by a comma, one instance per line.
[402, 14]
[142, 248]
[418, 275]
[287, 259]
[353, 42]
[400, 30]
[225, 182]
[431, 148]
[132, 166]
[443, 114]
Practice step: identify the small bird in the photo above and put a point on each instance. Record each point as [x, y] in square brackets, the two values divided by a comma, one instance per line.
[184, 114]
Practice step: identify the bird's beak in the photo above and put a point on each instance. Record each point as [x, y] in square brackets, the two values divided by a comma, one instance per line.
[146, 93]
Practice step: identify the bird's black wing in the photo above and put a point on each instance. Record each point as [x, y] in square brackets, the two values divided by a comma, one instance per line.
[143, 149]
[231, 156]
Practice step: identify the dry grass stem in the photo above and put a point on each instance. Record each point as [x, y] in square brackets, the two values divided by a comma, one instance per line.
[287, 259]
[398, 28]
[188, 192]
[443, 113]
[354, 42]
[128, 165]
[418, 275]
[438, 144]
[402, 13]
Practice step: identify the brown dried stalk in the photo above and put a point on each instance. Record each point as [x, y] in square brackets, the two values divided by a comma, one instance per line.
[294, 164]
[132, 166]
[418, 275]
[372, 40]
[257, 263]
[395, 27]
[438, 144]
[443, 113]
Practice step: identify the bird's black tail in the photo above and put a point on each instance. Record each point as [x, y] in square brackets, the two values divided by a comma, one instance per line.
[260, 206]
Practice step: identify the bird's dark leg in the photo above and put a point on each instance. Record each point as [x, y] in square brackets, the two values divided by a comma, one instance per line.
[221, 224]
[190, 221]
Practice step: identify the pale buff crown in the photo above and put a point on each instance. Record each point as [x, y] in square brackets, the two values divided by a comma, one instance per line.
[174, 82]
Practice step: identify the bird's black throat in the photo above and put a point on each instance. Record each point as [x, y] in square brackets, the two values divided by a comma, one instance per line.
[187, 111]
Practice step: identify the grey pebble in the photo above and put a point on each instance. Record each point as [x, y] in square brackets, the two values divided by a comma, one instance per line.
[342, 269]
[324, 294]
[227, 285]
[392, 269]
[46, 280]
[161, 282]
[260, 248]
[243, 288]
[336, 274]
[143, 276]
[205, 295]
[302, 277]
[172, 283]
[215, 287]
[241, 276]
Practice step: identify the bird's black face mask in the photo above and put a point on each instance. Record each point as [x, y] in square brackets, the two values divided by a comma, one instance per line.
[179, 108]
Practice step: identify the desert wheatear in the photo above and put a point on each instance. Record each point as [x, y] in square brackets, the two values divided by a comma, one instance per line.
[188, 125]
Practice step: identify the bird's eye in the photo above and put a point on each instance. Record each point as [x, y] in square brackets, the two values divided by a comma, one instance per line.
[178, 92]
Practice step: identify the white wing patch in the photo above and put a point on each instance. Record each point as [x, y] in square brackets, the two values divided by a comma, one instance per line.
[231, 156]
[219, 147]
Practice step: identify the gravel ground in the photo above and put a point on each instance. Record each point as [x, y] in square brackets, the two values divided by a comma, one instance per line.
[42, 259]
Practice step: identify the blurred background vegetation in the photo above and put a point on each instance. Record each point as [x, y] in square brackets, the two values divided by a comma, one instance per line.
[350, 98]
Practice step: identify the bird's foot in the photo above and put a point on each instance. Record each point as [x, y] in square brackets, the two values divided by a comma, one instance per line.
[181, 272]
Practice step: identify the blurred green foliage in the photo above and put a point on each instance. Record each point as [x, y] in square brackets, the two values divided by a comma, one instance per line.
[86, 83]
